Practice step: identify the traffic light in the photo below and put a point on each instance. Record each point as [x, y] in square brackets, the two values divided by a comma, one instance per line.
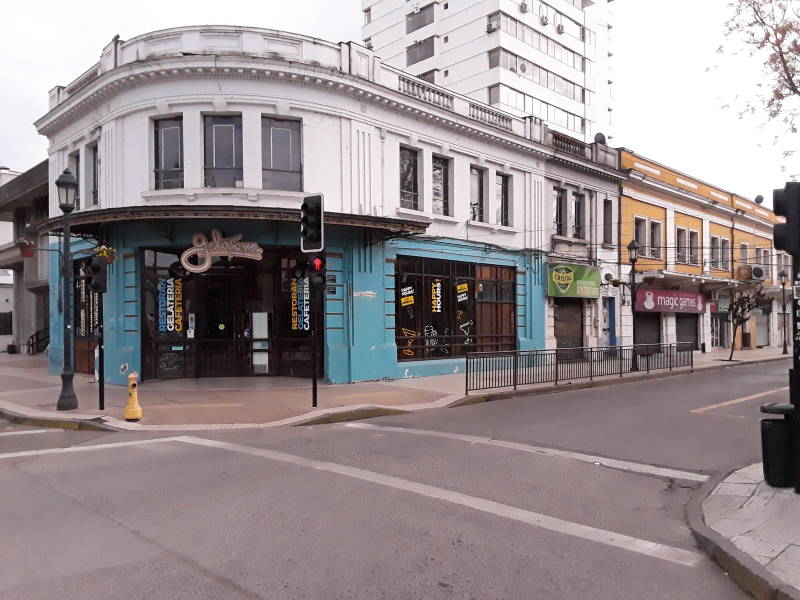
[95, 270]
[312, 237]
[316, 272]
[786, 203]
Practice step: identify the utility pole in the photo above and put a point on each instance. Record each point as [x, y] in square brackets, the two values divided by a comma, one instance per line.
[312, 241]
[317, 289]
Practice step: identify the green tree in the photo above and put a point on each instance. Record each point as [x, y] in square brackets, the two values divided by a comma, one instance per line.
[741, 308]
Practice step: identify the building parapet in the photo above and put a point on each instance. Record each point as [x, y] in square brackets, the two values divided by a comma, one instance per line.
[255, 52]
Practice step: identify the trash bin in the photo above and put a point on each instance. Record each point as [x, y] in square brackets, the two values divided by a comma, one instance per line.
[776, 445]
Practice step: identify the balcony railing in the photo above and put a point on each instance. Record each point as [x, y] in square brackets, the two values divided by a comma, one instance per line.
[570, 146]
[491, 117]
[426, 93]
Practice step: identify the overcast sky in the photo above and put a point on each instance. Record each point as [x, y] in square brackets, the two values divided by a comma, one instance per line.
[669, 106]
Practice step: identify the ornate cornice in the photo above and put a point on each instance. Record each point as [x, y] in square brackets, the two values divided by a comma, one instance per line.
[89, 221]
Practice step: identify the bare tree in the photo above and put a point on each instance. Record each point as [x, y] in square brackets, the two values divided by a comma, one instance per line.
[770, 30]
[741, 308]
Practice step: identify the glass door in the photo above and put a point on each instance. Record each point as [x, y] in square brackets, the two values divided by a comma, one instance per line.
[219, 332]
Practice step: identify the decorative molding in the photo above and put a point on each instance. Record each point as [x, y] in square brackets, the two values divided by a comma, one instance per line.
[646, 168]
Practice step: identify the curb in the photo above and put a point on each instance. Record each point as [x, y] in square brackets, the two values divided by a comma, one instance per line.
[70, 423]
[338, 414]
[742, 568]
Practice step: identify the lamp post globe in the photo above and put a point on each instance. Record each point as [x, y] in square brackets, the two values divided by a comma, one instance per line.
[67, 187]
[633, 251]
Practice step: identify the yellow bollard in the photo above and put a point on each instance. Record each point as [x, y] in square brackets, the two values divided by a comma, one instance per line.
[133, 411]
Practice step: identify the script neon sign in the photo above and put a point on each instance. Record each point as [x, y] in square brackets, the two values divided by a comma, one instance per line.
[205, 250]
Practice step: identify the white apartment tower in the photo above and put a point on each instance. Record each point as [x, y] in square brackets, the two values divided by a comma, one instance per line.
[550, 59]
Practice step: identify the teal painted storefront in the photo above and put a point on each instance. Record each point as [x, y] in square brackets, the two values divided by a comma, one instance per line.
[359, 308]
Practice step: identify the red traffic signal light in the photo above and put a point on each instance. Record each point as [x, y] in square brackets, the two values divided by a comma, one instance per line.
[317, 264]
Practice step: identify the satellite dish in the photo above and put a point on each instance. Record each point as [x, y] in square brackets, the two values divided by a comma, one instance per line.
[599, 138]
[759, 199]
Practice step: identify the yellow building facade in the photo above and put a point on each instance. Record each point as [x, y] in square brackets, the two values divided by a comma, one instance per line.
[696, 241]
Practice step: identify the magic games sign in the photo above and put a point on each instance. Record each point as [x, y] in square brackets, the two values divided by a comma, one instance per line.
[670, 301]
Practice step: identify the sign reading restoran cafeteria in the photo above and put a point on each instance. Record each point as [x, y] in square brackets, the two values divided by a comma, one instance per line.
[573, 281]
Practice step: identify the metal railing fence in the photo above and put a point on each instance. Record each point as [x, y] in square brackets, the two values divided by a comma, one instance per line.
[511, 369]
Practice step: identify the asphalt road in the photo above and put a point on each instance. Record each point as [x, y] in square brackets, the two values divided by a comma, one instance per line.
[572, 495]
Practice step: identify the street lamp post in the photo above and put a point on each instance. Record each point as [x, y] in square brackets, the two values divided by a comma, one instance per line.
[633, 256]
[783, 277]
[67, 187]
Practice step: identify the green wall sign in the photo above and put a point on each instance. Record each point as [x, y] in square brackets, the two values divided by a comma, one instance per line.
[573, 281]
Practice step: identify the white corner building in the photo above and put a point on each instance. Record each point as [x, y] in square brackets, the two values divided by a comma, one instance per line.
[548, 59]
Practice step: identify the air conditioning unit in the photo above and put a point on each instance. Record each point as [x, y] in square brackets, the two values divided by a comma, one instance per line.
[750, 273]
[560, 28]
[544, 19]
[491, 27]
[523, 7]
[522, 67]
[368, 44]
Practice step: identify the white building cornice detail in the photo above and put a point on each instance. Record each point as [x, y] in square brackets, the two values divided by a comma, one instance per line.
[345, 68]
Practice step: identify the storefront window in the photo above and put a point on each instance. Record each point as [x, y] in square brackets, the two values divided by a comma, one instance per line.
[448, 308]
[240, 317]
[167, 316]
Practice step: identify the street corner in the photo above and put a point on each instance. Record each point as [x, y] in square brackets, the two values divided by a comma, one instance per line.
[751, 530]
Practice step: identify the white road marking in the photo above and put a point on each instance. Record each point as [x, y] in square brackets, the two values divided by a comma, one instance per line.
[621, 465]
[669, 553]
[672, 554]
[87, 448]
[29, 431]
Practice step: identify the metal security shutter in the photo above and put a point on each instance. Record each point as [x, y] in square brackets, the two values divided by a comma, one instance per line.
[569, 322]
[647, 328]
[686, 329]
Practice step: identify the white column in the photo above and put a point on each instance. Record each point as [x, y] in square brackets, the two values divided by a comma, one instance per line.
[425, 201]
[83, 176]
[490, 197]
[251, 147]
[668, 333]
[706, 252]
[459, 194]
[670, 250]
[705, 329]
[193, 154]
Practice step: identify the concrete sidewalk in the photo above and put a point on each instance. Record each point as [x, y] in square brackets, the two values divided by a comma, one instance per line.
[753, 531]
[28, 392]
